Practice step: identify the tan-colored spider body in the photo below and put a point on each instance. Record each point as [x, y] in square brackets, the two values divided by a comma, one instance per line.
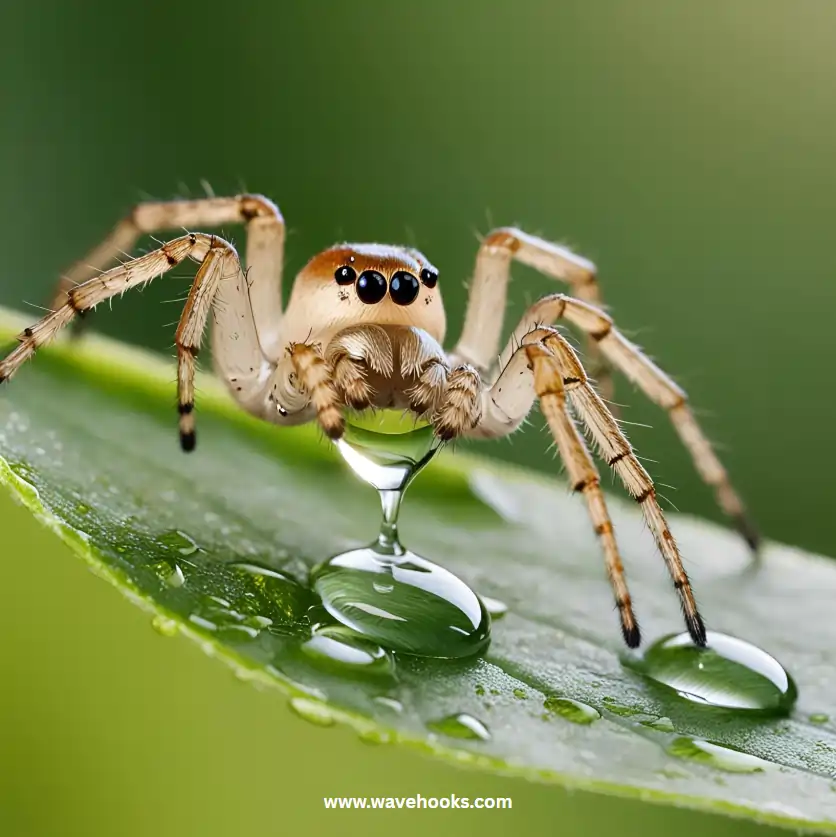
[364, 328]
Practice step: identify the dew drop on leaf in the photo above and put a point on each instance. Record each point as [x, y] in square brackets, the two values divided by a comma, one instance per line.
[571, 710]
[461, 725]
[729, 673]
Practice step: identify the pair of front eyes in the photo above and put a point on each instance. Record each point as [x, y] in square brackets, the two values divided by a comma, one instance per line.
[371, 286]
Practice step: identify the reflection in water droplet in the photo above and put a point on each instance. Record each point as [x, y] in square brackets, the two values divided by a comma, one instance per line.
[385, 592]
[164, 626]
[341, 648]
[729, 673]
[819, 718]
[183, 543]
[572, 710]
[716, 755]
[461, 726]
[312, 711]
[495, 608]
[662, 724]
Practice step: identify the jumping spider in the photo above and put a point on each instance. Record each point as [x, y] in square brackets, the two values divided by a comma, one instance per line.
[364, 328]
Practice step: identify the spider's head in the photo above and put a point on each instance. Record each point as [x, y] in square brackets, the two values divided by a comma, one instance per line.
[352, 284]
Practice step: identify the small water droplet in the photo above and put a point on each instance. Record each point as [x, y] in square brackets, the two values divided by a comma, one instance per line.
[460, 726]
[164, 626]
[82, 508]
[169, 572]
[202, 623]
[180, 541]
[729, 673]
[313, 711]
[383, 588]
[339, 647]
[496, 609]
[620, 710]
[375, 736]
[389, 702]
[520, 694]
[663, 724]
[819, 718]
[480, 689]
[572, 710]
[716, 755]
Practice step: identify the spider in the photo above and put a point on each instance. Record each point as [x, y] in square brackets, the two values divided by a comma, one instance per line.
[363, 329]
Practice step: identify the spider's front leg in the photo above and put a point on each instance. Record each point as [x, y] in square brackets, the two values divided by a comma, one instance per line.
[264, 252]
[219, 284]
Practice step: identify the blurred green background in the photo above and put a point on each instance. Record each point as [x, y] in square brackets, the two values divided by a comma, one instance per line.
[686, 147]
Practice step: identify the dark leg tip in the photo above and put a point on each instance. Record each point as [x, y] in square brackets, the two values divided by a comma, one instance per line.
[696, 628]
[335, 432]
[632, 635]
[188, 441]
[749, 531]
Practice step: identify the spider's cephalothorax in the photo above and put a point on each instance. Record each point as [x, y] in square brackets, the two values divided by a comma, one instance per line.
[364, 328]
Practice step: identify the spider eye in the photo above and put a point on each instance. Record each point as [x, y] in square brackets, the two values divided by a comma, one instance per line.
[429, 277]
[345, 275]
[371, 287]
[403, 288]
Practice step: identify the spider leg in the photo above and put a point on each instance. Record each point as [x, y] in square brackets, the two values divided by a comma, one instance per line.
[264, 253]
[219, 265]
[656, 385]
[480, 338]
[314, 378]
[533, 373]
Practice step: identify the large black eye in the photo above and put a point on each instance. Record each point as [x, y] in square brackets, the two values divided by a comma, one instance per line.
[371, 287]
[345, 275]
[403, 288]
[429, 277]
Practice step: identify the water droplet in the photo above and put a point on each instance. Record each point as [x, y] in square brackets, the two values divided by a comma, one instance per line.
[202, 623]
[271, 599]
[819, 718]
[169, 572]
[387, 448]
[572, 710]
[622, 711]
[164, 626]
[662, 724]
[82, 508]
[180, 541]
[313, 711]
[385, 592]
[389, 702]
[375, 736]
[716, 755]
[341, 648]
[495, 607]
[480, 689]
[461, 726]
[428, 612]
[520, 694]
[729, 673]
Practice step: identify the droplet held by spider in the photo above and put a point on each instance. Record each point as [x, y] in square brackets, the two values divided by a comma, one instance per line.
[384, 591]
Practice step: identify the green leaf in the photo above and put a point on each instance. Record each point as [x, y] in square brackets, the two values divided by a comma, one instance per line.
[88, 443]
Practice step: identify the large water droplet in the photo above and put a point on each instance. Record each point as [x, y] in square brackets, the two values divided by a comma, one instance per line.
[338, 647]
[385, 592]
[729, 673]
[461, 725]
[426, 610]
[716, 755]
[313, 711]
[572, 710]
